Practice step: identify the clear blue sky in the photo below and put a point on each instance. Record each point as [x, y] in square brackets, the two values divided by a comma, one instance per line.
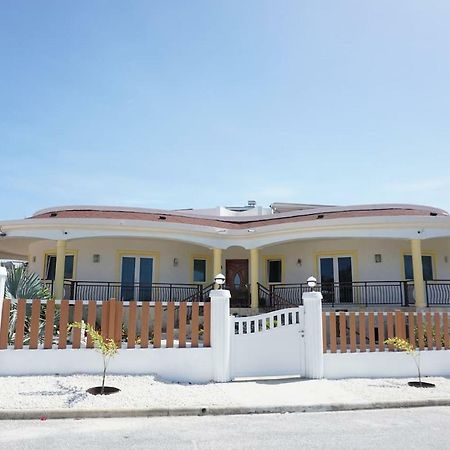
[172, 104]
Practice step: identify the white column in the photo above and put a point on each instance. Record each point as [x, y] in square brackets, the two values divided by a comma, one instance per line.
[312, 302]
[3, 275]
[220, 334]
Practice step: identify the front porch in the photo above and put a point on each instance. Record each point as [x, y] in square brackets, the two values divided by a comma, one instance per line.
[335, 295]
[358, 293]
[106, 290]
[350, 272]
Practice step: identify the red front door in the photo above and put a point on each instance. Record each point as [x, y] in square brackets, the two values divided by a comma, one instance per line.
[237, 282]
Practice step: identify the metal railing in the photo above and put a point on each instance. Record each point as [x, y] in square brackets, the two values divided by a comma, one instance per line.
[437, 292]
[205, 292]
[240, 296]
[367, 293]
[105, 290]
[269, 300]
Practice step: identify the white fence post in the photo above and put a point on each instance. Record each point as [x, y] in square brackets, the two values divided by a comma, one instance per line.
[3, 275]
[220, 334]
[312, 302]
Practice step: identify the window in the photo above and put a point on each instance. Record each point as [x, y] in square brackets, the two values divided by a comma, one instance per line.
[427, 267]
[274, 270]
[136, 278]
[50, 267]
[336, 278]
[199, 270]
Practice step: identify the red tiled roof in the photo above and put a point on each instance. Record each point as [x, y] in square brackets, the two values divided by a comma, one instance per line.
[241, 222]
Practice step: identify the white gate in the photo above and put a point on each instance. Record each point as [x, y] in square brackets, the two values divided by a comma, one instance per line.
[270, 344]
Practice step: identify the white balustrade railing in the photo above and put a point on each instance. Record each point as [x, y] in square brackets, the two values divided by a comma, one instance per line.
[267, 321]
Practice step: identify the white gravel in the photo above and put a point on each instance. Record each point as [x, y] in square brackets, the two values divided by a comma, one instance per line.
[56, 392]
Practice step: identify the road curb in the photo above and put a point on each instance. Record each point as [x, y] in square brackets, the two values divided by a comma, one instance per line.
[42, 414]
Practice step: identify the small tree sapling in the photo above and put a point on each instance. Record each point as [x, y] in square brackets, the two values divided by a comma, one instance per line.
[107, 347]
[402, 344]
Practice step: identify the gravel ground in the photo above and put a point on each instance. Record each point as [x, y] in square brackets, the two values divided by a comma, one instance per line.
[55, 392]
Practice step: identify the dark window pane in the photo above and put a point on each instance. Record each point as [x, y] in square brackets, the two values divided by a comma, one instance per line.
[51, 268]
[345, 279]
[326, 270]
[68, 266]
[146, 271]
[408, 267]
[345, 269]
[199, 270]
[427, 267]
[128, 269]
[275, 271]
[327, 279]
[145, 278]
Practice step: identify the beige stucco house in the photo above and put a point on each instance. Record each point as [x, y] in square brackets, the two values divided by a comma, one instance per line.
[390, 254]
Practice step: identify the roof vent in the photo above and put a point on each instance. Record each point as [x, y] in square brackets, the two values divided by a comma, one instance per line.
[251, 203]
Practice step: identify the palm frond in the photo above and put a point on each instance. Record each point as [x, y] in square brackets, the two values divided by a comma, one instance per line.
[27, 285]
[23, 284]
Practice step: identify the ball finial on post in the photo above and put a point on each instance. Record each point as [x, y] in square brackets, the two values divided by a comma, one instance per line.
[219, 279]
[312, 282]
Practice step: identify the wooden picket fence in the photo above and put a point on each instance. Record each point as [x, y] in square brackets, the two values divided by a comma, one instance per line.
[43, 324]
[363, 331]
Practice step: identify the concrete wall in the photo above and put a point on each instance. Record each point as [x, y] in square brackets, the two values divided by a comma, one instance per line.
[385, 364]
[173, 364]
[274, 350]
[196, 364]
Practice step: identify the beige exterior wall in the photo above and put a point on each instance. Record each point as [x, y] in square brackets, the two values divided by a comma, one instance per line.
[110, 250]
[164, 252]
[363, 251]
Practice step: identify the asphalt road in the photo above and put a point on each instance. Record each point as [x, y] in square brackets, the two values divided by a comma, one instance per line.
[424, 428]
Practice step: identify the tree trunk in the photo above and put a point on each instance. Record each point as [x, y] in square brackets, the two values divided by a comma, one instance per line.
[103, 381]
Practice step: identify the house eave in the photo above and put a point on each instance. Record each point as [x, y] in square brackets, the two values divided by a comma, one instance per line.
[403, 227]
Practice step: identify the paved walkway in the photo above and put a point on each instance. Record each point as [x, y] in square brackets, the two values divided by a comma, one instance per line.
[65, 396]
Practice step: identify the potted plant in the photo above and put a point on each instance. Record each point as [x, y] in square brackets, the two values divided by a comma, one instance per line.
[107, 348]
[403, 345]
